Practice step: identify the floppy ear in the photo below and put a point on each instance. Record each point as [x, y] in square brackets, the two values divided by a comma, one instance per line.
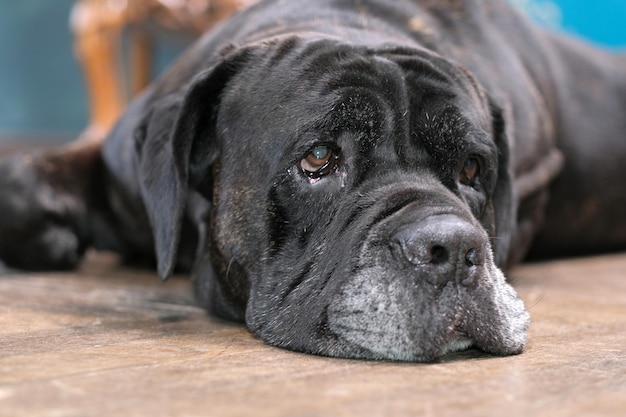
[519, 198]
[504, 199]
[178, 127]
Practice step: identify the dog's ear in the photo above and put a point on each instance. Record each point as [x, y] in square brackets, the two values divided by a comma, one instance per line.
[175, 144]
[503, 202]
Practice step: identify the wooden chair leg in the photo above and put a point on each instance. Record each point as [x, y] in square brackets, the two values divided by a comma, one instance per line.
[97, 39]
[141, 60]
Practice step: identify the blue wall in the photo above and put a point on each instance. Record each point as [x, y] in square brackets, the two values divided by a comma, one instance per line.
[41, 86]
[601, 21]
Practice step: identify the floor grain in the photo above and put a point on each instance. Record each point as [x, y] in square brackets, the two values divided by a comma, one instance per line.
[112, 341]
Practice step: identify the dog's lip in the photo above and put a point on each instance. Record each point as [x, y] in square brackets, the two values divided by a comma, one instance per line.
[457, 342]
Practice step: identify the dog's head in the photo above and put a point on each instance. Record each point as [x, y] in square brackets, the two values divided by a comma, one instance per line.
[361, 199]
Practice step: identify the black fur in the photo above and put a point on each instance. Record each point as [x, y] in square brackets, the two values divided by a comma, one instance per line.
[449, 122]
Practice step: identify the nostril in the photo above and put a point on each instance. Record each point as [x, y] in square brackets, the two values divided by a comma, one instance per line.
[471, 258]
[439, 255]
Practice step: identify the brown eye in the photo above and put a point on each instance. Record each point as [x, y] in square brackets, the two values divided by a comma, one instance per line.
[320, 161]
[470, 171]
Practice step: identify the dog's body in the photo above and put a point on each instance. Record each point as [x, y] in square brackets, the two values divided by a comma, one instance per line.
[347, 177]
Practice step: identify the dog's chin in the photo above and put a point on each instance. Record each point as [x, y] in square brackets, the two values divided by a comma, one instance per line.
[406, 353]
[457, 345]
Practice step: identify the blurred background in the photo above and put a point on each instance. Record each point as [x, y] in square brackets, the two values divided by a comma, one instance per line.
[43, 90]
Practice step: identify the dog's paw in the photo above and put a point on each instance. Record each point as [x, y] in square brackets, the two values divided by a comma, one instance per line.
[41, 216]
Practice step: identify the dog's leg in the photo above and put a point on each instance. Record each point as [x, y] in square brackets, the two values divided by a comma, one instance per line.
[43, 207]
[52, 207]
[587, 206]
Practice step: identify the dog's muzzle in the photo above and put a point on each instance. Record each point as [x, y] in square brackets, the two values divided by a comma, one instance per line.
[427, 286]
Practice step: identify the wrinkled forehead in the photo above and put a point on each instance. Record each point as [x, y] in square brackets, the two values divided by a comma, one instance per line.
[299, 84]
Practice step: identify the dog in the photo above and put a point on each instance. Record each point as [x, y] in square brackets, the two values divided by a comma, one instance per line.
[348, 177]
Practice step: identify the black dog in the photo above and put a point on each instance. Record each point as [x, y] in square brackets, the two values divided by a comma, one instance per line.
[348, 176]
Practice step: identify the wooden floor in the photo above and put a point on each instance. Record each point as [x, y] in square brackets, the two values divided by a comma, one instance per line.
[107, 341]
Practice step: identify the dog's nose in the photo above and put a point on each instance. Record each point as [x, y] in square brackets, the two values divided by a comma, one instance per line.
[444, 248]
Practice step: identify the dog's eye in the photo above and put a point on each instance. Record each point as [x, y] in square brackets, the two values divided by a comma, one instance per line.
[470, 171]
[321, 160]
